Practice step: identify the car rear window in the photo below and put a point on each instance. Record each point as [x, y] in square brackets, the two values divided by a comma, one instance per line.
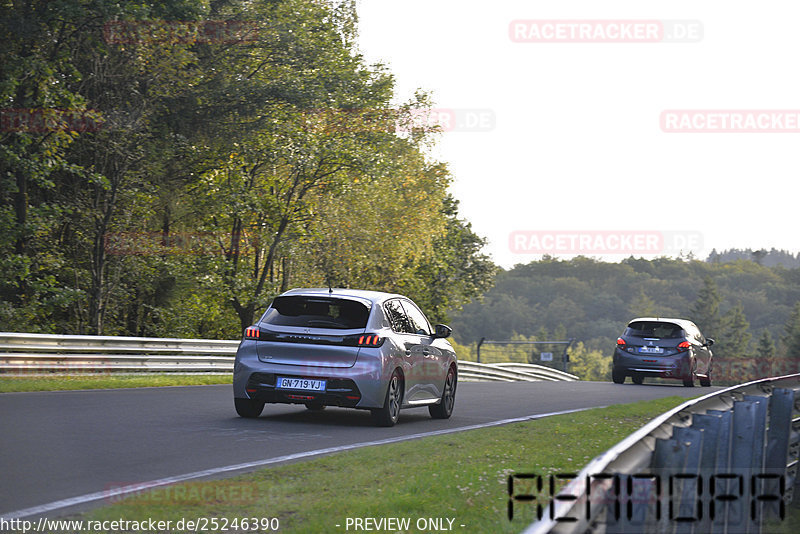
[316, 312]
[660, 330]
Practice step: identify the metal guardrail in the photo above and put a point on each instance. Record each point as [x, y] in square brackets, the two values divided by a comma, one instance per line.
[48, 353]
[723, 463]
[28, 354]
[510, 372]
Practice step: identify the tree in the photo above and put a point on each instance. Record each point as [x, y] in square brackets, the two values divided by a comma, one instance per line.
[764, 357]
[643, 305]
[765, 346]
[758, 255]
[705, 310]
[277, 151]
[37, 74]
[456, 270]
[791, 338]
[736, 334]
[589, 364]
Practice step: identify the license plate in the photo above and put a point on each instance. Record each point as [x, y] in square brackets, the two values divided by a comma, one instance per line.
[300, 383]
[651, 350]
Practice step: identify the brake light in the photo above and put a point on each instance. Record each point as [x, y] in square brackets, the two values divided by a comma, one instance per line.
[251, 332]
[683, 345]
[370, 340]
[620, 342]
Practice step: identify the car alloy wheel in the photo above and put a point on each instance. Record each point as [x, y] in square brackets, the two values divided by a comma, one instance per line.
[390, 412]
[689, 381]
[444, 409]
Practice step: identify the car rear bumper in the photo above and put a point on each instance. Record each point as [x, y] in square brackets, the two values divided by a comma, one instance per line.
[338, 392]
[675, 366]
[364, 380]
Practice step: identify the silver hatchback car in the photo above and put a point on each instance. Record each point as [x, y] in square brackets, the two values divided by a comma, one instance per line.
[349, 348]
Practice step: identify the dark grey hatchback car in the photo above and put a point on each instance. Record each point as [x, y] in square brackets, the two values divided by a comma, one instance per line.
[665, 348]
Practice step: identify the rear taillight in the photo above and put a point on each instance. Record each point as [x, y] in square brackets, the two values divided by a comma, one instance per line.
[683, 345]
[370, 340]
[620, 342]
[251, 332]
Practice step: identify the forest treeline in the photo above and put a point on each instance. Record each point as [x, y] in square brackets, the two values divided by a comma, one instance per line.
[769, 258]
[750, 309]
[167, 167]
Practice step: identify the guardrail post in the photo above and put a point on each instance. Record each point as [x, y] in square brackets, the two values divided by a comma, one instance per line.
[686, 484]
[711, 426]
[669, 458]
[781, 404]
[793, 464]
[720, 485]
[747, 453]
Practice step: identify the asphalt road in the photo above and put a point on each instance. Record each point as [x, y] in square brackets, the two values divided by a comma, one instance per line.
[59, 445]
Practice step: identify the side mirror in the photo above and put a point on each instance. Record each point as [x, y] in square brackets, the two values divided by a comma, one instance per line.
[442, 331]
[709, 341]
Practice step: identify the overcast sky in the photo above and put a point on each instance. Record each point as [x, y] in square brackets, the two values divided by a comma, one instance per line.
[565, 144]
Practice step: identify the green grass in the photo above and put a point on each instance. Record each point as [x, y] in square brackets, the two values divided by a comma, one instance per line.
[106, 381]
[461, 476]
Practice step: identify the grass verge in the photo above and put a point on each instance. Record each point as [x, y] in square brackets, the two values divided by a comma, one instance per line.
[460, 476]
[105, 381]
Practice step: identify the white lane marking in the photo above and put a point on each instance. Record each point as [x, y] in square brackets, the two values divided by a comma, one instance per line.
[143, 486]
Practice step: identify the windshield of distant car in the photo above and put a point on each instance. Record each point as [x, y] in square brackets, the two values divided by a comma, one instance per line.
[316, 312]
[654, 329]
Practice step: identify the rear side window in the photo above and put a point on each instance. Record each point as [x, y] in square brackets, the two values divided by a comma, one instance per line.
[316, 312]
[397, 317]
[658, 329]
[419, 323]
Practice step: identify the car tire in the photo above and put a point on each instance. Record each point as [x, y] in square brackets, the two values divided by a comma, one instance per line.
[705, 381]
[689, 381]
[617, 376]
[248, 408]
[444, 409]
[315, 406]
[638, 379]
[390, 412]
